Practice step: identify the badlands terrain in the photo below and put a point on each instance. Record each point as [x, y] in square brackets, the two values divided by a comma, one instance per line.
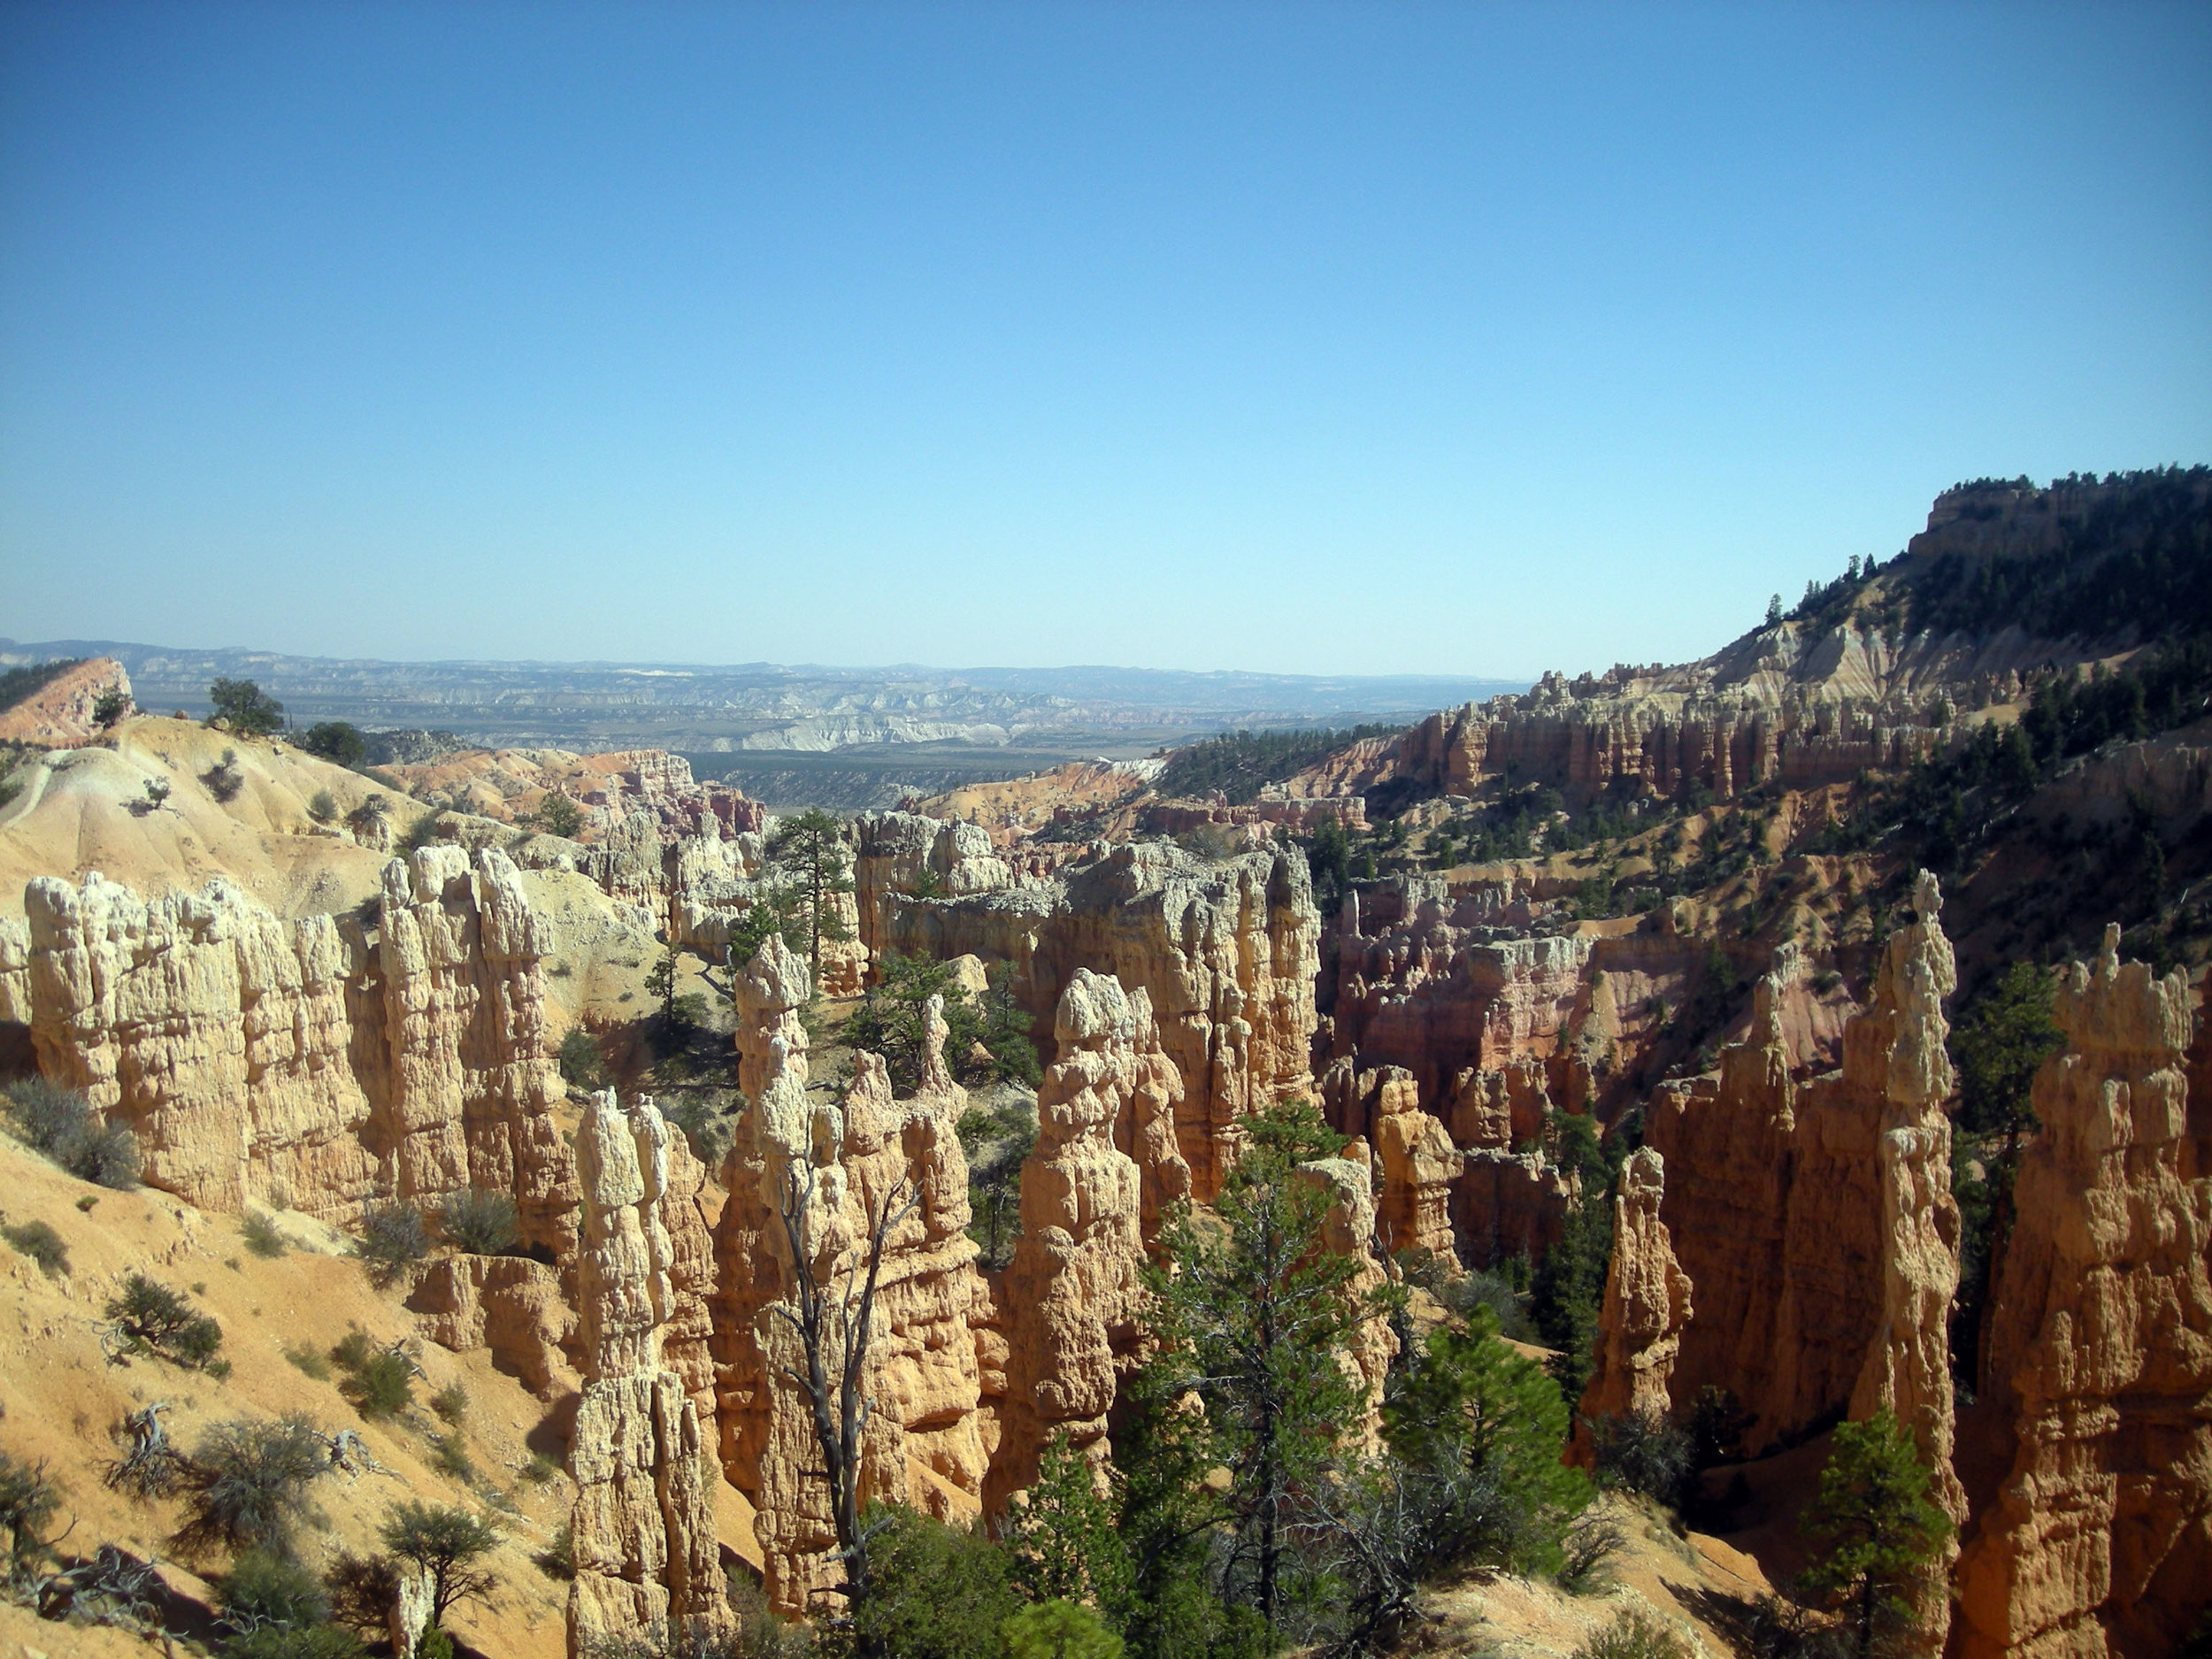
[1757, 1055]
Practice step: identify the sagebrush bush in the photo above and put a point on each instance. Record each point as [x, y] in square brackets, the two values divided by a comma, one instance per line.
[266, 1587]
[393, 1238]
[479, 1222]
[1635, 1634]
[151, 1318]
[246, 1484]
[322, 806]
[450, 1402]
[302, 1641]
[379, 1381]
[38, 1241]
[557, 1559]
[67, 1128]
[260, 1234]
[582, 1066]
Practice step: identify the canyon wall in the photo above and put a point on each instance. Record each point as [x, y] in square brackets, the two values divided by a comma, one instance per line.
[1224, 949]
[2099, 1537]
[1814, 1220]
[318, 1063]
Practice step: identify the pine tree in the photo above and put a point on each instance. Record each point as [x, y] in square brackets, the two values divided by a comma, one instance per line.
[1880, 1529]
[810, 849]
[1250, 1312]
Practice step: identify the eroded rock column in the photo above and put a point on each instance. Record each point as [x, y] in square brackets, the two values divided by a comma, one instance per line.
[646, 1561]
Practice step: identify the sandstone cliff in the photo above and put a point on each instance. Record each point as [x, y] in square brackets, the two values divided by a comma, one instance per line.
[1072, 1296]
[811, 1171]
[309, 1063]
[646, 1561]
[2100, 1538]
[1814, 1220]
[1226, 950]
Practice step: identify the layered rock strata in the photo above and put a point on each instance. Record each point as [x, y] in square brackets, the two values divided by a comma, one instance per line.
[316, 1062]
[835, 1170]
[2100, 1538]
[1226, 950]
[647, 1559]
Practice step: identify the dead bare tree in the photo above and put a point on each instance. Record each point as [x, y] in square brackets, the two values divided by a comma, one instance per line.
[152, 1467]
[831, 1319]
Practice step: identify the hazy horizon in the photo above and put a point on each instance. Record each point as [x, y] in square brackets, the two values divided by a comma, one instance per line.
[1305, 340]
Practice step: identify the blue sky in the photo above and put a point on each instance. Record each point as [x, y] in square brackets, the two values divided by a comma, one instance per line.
[1474, 339]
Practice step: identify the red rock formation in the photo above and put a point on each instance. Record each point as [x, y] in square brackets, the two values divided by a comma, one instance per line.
[509, 1304]
[925, 1442]
[59, 714]
[1415, 1161]
[1646, 1300]
[2100, 1539]
[647, 1559]
[1072, 1296]
[1815, 1221]
[1225, 948]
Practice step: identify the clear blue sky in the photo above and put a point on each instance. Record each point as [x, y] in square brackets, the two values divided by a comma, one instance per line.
[1381, 338]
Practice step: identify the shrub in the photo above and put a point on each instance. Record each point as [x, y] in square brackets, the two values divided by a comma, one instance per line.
[1643, 1453]
[453, 1457]
[309, 1362]
[450, 1402]
[266, 1587]
[40, 1242]
[557, 815]
[541, 1470]
[422, 832]
[67, 1129]
[1588, 1551]
[1484, 1288]
[28, 1500]
[322, 806]
[308, 1641]
[247, 1482]
[224, 780]
[151, 1318]
[393, 1238]
[1058, 1629]
[479, 1222]
[379, 1381]
[582, 1066]
[369, 815]
[362, 1589]
[259, 1231]
[941, 1592]
[557, 1559]
[109, 707]
[1635, 1634]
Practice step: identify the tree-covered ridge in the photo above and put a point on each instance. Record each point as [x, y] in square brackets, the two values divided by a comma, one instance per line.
[1239, 763]
[2135, 559]
[19, 684]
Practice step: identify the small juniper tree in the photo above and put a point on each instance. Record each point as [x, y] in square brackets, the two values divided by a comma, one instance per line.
[244, 707]
[447, 1545]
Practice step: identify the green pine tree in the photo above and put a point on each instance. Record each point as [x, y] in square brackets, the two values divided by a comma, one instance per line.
[1878, 1529]
[1250, 1312]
